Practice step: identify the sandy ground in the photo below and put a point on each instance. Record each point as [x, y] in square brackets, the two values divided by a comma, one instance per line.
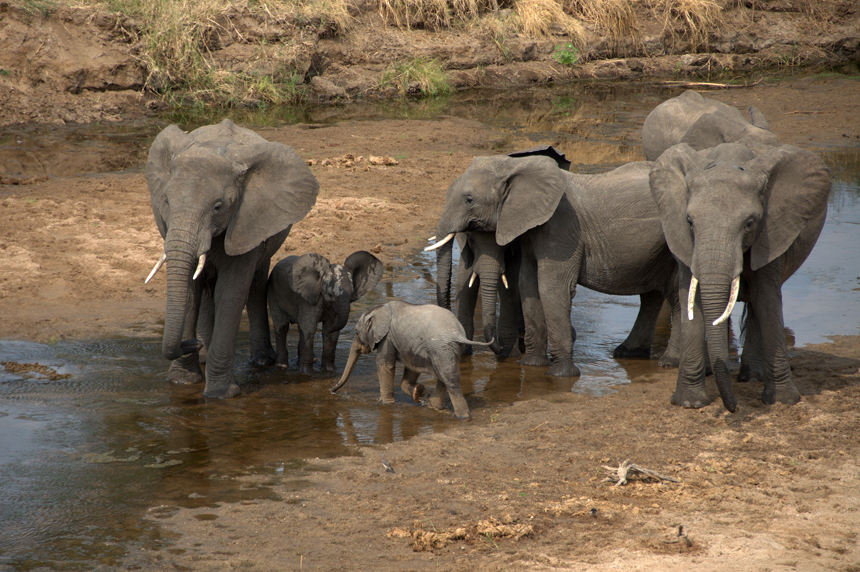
[766, 488]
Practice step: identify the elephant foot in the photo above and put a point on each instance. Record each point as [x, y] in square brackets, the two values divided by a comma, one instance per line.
[201, 355]
[328, 367]
[623, 352]
[747, 374]
[535, 360]
[387, 400]
[563, 369]
[185, 372]
[418, 392]
[436, 403]
[283, 360]
[667, 360]
[787, 393]
[690, 398]
[463, 417]
[263, 357]
[232, 390]
[306, 368]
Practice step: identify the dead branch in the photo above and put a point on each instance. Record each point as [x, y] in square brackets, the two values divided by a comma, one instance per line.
[623, 471]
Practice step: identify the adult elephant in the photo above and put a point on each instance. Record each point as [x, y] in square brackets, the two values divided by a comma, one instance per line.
[601, 231]
[224, 200]
[484, 265]
[741, 220]
[701, 123]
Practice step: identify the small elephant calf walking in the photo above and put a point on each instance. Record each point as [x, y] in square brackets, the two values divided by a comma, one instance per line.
[425, 338]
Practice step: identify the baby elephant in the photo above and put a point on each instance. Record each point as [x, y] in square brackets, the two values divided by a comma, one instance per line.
[307, 290]
[426, 338]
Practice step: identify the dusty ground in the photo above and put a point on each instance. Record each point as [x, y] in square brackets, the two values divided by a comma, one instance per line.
[766, 488]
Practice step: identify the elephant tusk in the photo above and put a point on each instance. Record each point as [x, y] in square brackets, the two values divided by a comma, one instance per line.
[691, 298]
[440, 243]
[156, 267]
[432, 238]
[733, 297]
[200, 266]
[472, 279]
[504, 281]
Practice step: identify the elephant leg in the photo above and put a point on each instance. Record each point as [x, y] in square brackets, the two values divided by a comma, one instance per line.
[510, 314]
[641, 338]
[766, 302]
[329, 344]
[282, 355]
[385, 373]
[690, 389]
[410, 385]
[230, 295]
[306, 348]
[186, 369]
[671, 357]
[535, 337]
[752, 365]
[259, 339]
[448, 385]
[556, 296]
[205, 320]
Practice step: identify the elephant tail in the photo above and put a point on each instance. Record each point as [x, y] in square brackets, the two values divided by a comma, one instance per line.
[474, 343]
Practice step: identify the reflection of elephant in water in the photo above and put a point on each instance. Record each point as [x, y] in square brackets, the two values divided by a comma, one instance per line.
[740, 220]
[600, 231]
[307, 290]
[701, 123]
[488, 269]
[426, 338]
[224, 200]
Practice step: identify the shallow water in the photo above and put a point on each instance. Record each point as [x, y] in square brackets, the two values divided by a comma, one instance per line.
[83, 458]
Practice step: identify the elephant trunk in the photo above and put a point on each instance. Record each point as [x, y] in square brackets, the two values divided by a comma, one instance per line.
[489, 291]
[341, 309]
[715, 296]
[444, 261]
[354, 351]
[180, 250]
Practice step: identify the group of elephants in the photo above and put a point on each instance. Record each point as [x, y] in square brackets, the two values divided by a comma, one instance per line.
[719, 212]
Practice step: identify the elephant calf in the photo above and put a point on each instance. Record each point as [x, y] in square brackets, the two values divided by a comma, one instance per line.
[307, 290]
[426, 338]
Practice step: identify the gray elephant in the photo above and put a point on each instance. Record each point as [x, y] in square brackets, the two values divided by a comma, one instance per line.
[306, 290]
[425, 338]
[701, 123]
[740, 220]
[601, 231]
[224, 200]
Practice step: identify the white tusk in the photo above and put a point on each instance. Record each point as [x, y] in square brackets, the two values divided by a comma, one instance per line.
[733, 297]
[472, 279]
[440, 243]
[432, 238]
[200, 265]
[691, 298]
[156, 267]
[504, 281]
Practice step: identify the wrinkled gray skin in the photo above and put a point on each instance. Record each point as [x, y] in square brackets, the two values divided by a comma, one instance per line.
[308, 290]
[487, 261]
[701, 123]
[425, 338]
[600, 231]
[227, 193]
[735, 211]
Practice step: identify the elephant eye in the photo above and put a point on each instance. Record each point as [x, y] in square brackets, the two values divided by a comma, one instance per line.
[750, 224]
[469, 199]
[689, 221]
[217, 206]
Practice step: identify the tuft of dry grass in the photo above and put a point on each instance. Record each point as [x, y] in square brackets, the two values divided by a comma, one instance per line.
[542, 18]
[615, 18]
[696, 17]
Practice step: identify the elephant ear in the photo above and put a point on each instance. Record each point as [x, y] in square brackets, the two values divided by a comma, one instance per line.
[668, 181]
[797, 189]
[170, 141]
[366, 271]
[547, 150]
[532, 188]
[757, 118]
[377, 324]
[278, 191]
[308, 270]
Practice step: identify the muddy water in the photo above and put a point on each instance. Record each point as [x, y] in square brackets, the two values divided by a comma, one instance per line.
[84, 457]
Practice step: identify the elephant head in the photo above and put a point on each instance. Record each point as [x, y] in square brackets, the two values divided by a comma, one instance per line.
[701, 123]
[220, 185]
[372, 327]
[730, 208]
[495, 201]
[316, 280]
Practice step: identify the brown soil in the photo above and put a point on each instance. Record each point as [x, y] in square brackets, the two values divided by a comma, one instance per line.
[766, 488]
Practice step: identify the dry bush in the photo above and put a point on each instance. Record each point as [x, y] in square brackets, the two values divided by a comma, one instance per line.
[615, 18]
[697, 17]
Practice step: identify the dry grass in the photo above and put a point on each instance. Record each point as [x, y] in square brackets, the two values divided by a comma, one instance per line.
[696, 17]
[614, 18]
[542, 18]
